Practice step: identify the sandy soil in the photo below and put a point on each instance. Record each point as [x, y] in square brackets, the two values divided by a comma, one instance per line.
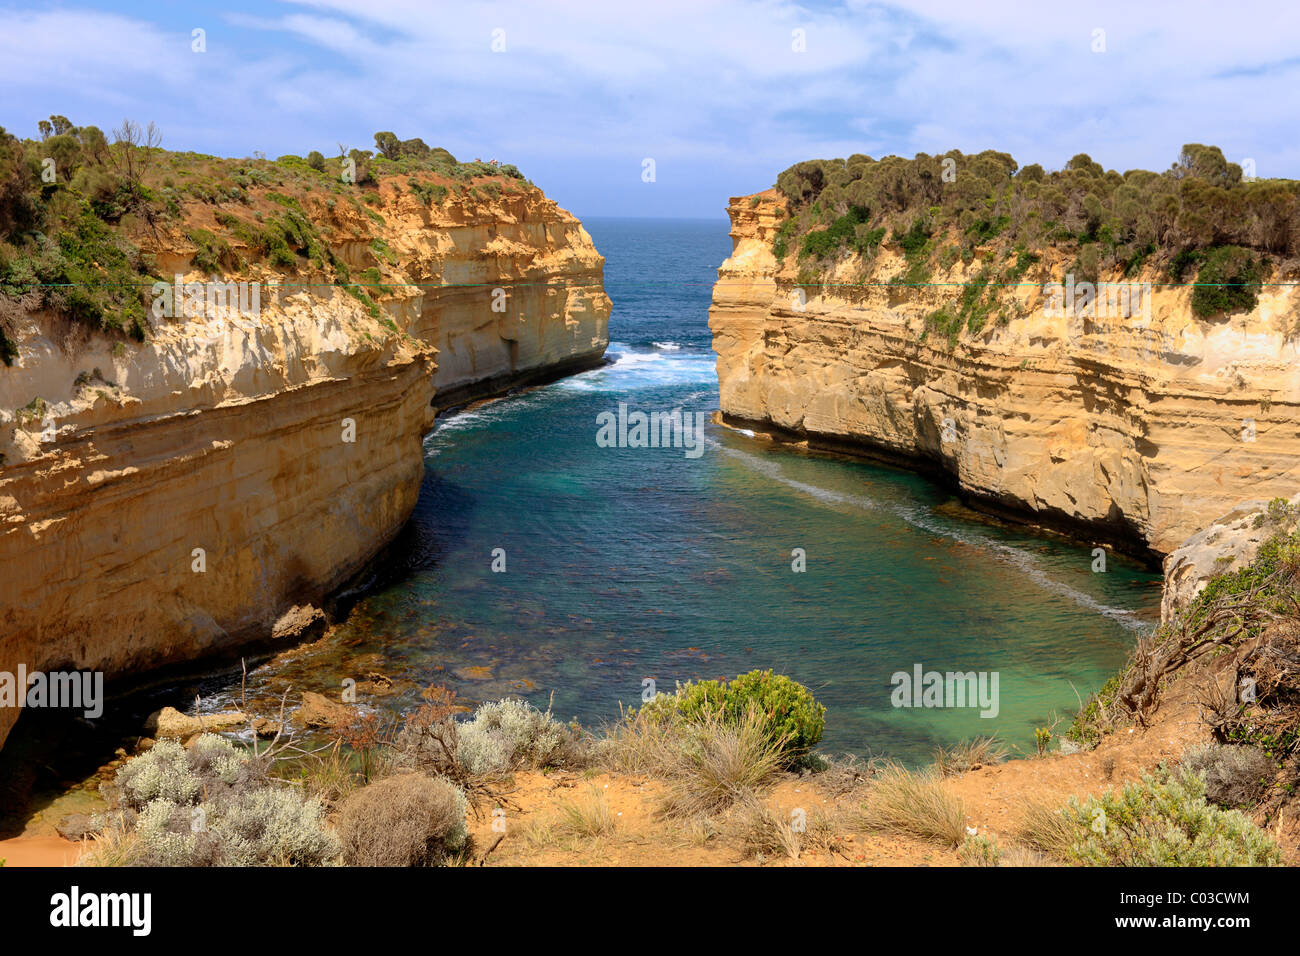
[39, 851]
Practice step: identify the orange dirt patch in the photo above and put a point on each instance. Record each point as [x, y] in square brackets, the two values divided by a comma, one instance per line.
[39, 851]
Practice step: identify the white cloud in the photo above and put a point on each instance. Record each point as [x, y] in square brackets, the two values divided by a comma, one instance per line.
[711, 88]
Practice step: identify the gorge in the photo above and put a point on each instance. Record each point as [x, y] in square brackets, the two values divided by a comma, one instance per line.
[218, 484]
[214, 481]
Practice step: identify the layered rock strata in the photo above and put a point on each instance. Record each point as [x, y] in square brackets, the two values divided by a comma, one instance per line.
[1142, 425]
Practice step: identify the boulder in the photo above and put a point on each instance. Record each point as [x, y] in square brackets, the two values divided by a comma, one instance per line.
[319, 711]
[299, 623]
[170, 722]
[266, 728]
[78, 826]
[1225, 545]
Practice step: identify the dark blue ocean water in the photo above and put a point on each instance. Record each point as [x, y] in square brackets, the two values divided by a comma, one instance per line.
[628, 564]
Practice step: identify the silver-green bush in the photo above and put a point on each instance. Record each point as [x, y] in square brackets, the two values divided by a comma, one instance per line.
[1164, 820]
[208, 805]
[507, 734]
[161, 773]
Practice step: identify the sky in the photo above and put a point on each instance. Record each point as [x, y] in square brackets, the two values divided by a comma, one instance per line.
[721, 94]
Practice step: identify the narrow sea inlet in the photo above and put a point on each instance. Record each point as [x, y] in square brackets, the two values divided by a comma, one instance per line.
[615, 566]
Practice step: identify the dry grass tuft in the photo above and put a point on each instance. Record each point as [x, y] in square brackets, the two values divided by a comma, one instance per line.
[585, 819]
[1044, 828]
[713, 763]
[846, 774]
[708, 764]
[759, 830]
[916, 804]
[588, 816]
[1017, 855]
[330, 778]
[969, 755]
[115, 845]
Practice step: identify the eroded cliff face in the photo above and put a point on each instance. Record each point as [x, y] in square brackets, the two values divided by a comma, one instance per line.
[1142, 428]
[165, 500]
[507, 290]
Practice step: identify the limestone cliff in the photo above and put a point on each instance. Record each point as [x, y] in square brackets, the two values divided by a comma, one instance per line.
[172, 498]
[1227, 544]
[1141, 428]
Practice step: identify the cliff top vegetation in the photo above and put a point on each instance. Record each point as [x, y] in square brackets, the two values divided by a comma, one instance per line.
[1200, 220]
[82, 214]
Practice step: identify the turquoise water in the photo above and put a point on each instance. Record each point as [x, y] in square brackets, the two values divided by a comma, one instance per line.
[627, 564]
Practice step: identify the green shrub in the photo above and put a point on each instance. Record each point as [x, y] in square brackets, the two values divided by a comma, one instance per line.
[791, 716]
[1090, 723]
[8, 350]
[983, 230]
[979, 851]
[429, 193]
[1229, 280]
[1164, 820]
[382, 252]
[375, 281]
[781, 241]
[823, 242]
[913, 241]
[211, 252]
[1199, 203]
[1183, 260]
[360, 294]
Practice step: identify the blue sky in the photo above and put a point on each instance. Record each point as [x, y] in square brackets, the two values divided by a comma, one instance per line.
[714, 91]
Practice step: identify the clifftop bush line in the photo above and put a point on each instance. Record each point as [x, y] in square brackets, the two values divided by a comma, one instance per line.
[1000, 219]
[81, 217]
